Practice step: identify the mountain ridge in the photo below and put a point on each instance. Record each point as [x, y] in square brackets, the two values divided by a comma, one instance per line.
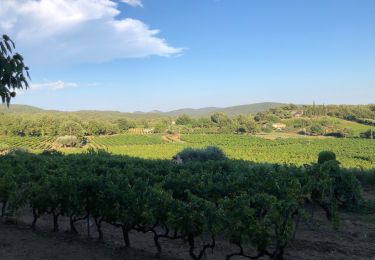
[193, 112]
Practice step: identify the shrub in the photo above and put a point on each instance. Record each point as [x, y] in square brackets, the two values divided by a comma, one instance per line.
[342, 133]
[370, 134]
[184, 120]
[267, 128]
[316, 130]
[210, 153]
[326, 156]
[67, 141]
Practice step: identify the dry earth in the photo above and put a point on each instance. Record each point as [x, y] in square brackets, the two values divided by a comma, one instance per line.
[355, 239]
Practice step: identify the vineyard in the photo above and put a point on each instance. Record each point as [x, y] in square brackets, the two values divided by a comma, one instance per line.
[139, 131]
[255, 208]
[122, 140]
[33, 143]
[351, 152]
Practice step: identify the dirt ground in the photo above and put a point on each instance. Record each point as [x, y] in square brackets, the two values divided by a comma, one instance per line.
[355, 239]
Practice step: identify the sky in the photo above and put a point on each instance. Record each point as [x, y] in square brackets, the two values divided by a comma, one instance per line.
[141, 55]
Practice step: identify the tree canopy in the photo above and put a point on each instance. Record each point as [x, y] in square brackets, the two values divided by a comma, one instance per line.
[14, 74]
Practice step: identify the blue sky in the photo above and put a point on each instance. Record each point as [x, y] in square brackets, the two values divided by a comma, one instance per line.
[134, 55]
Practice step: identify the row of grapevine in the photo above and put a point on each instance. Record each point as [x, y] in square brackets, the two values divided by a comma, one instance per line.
[139, 131]
[352, 153]
[119, 140]
[253, 206]
[33, 143]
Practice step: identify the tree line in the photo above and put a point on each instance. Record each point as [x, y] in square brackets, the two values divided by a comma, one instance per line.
[308, 119]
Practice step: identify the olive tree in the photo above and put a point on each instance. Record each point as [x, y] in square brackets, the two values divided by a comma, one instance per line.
[13, 72]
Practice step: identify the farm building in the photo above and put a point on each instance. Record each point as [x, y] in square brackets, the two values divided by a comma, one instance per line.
[279, 126]
[297, 113]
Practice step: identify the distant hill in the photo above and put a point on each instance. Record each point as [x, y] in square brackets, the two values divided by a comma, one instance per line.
[231, 111]
[24, 109]
[200, 112]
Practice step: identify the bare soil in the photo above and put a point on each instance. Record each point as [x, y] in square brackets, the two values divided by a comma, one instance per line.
[286, 135]
[317, 239]
[172, 138]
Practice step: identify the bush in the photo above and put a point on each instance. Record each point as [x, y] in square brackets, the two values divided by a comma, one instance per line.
[326, 156]
[316, 130]
[210, 153]
[184, 120]
[67, 141]
[370, 134]
[342, 133]
[267, 128]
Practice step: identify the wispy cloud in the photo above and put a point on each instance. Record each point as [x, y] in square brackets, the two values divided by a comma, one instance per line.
[53, 85]
[76, 31]
[133, 2]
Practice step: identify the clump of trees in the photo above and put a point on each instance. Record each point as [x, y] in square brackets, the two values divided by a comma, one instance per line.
[218, 122]
[50, 124]
[359, 113]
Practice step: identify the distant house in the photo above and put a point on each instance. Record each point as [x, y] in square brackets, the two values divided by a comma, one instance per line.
[297, 113]
[279, 126]
[148, 130]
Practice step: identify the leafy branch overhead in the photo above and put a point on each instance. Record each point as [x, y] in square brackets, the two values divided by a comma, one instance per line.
[14, 74]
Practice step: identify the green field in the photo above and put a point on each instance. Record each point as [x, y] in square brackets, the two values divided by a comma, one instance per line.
[32, 143]
[121, 140]
[352, 153]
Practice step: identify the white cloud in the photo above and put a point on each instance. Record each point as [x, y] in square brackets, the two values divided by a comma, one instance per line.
[53, 85]
[75, 31]
[133, 2]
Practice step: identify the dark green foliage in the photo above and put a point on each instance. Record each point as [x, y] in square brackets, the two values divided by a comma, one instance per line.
[316, 130]
[184, 120]
[13, 72]
[124, 124]
[220, 119]
[341, 133]
[249, 204]
[370, 134]
[348, 112]
[326, 156]
[201, 155]
[246, 124]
